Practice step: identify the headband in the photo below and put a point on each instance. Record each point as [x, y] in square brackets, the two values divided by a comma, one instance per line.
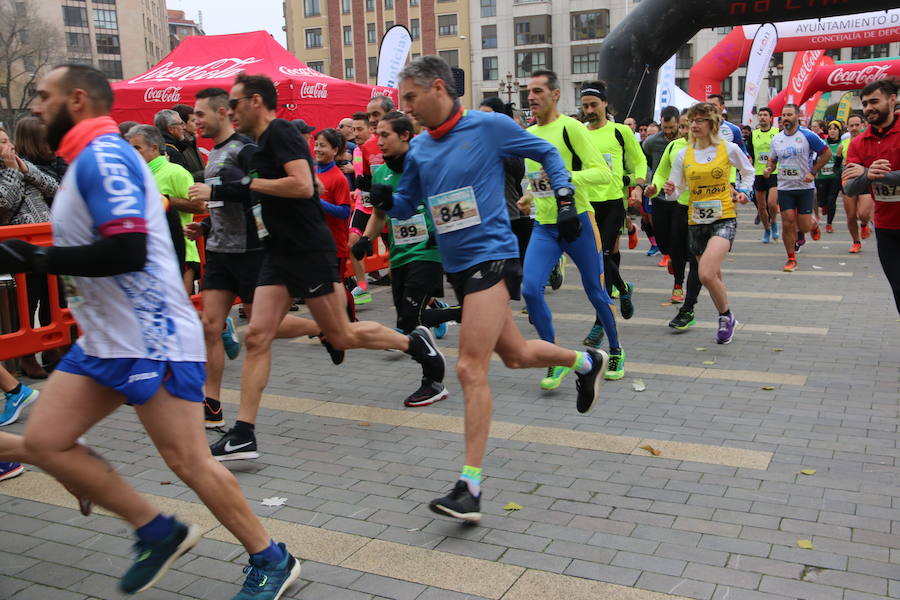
[836, 122]
[594, 92]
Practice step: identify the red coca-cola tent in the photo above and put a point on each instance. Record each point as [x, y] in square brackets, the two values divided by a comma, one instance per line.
[838, 77]
[200, 62]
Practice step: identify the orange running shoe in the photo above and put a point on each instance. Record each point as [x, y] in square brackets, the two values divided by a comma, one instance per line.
[829, 229]
[865, 231]
[816, 233]
[632, 238]
[677, 295]
[790, 265]
[664, 261]
[855, 248]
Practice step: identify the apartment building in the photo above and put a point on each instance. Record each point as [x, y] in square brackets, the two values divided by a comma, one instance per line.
[180, 26]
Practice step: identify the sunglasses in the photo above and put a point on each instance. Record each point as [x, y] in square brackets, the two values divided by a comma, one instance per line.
[233, 102]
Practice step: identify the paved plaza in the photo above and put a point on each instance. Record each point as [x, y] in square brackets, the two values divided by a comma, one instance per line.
[787, 435]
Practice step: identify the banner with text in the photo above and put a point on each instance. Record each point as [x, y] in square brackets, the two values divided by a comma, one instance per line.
[392, 56]
[757, 66]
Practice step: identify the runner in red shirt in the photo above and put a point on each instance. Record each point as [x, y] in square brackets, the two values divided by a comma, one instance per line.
[873, 163]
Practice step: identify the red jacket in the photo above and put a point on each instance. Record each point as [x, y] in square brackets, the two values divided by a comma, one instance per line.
[870, 146]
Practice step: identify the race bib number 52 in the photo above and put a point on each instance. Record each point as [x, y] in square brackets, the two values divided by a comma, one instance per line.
[706, 211]
[454, 210]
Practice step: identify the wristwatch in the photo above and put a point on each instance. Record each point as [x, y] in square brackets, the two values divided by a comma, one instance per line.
[563, 193]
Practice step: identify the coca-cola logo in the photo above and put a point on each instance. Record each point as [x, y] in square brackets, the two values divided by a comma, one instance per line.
[313, 90]
[169, 94]
[381, 91]
[859, 78]
[217, 69]
[809, 61]
[299, 72]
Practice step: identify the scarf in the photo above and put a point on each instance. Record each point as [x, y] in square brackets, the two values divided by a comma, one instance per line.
[444, 128]
[395, 163]
[77, 138]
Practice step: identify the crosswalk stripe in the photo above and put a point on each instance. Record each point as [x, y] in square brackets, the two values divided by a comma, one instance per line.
[731, 293]
[810, 272]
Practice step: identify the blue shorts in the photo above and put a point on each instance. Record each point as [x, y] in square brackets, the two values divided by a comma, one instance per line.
[138, 378]
[799, 200]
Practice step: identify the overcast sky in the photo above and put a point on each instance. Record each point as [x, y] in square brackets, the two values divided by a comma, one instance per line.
[234, 16]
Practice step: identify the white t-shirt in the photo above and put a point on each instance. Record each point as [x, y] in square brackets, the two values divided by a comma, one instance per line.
[796, 155]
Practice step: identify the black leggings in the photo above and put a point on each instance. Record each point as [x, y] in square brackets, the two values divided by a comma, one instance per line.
[826, 195]
[521, 228]
[610, 217]
[671, 225]
[889, 254]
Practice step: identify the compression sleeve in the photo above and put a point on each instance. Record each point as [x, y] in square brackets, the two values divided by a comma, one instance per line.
[664, 168]
[341, 211]
[594, 170]
[122, 253]
[518, 142]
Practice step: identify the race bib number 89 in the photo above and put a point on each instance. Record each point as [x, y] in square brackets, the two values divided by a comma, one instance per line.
[454, 210]
[409, 231]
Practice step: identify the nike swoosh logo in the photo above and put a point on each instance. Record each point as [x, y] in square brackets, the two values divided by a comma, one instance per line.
[230, 448]
[431, 350]
[312, 290]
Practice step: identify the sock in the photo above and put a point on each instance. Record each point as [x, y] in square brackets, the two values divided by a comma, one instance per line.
[583, 364]
[363, 283]
[472, 477]
[273, 554]
[156, 530]
[652, 239]
[678, 286]
[244, 427]
[16, 389]
[792, 256]
[727, 313]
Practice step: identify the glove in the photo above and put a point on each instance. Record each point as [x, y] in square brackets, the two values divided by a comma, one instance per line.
[567, 221]
[363, 182]
[16, 256]
[233, 190]
[432, 240]
[363, 247]
[382, 196]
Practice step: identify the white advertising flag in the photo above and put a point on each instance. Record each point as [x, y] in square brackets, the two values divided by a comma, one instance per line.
[665, 87]
[395, 46]
[757, 66]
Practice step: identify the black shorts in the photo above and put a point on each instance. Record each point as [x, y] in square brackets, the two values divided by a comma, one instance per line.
[799, 200]
[764, 184]
[194, 268]
[359, 220]
[420, 278]
[305, 275]
[486, 275]
[236, 273]
[610, 218]
[698, 235]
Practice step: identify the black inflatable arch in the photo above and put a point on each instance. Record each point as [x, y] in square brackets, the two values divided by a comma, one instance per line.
[633, 52]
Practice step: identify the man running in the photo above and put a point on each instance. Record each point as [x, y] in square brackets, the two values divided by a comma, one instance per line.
[299, 261]
[366, 156]
[765, 188]
[457, 167]
[728, 131]
[141, 343]
[858, 207]
[792, 153]
[664, 222]
[587, 168]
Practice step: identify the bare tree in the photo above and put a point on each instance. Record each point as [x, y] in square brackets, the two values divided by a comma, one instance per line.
[28, 46]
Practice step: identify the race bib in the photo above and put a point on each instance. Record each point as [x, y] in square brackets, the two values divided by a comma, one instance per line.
[886, 193]
[706, 211]
[214, 181]
[763, 157]
[540, 184]
[364, 199]
[71, 291]
[409, 231]
[454, 210]
[608, 158]
[261, 231]
[828, 169]
[788, 173]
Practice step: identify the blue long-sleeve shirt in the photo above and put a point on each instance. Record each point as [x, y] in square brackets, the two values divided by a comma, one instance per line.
[471, 155]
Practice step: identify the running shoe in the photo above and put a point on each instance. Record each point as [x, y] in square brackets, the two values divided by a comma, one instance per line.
[154, 559]
[776, 231]
[790, 265]
[855, 248]
[267, 581]
[428, 393]
[554, 378]
[616, 368]
[15, 403]
[653, 250]
[756, 220]
[664, 261]
[816, 233]
[683, 320]
[459, 504]
[725, 333]
[440, 331]
[558, 274]
[361, 296]
[242, 314]
[423, 348]
[614, 293]
[8, 470]
[235, 445]
[677, 294]
[212, 411]
[767, 236]
[337, 356]
[588, 385]
[632, 238]
[829, 229]
[627, 304]
[379, 279]
[865, 231]
[230, 340]
[595, 337]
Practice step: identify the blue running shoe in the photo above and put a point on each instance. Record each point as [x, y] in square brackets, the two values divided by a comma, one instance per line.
[653, 251]
[154, 560]
[230, 340]
[776, 232]
[268, 581]
[441, 330]
[15, 403]
[8, 470]
[767, 236]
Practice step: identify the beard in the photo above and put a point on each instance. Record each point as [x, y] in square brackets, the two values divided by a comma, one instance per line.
[58, 127]
[878, 117]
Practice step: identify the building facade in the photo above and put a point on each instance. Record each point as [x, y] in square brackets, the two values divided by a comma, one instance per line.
[341, 37]
[180, 26]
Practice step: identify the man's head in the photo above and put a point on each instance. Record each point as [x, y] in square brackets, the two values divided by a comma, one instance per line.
[764, 115]
[377, 108]
[252, 98]
[790, 117]
[878, 101]
[427, 90]
[642, 130]
[303, 129]
[346, 128]
[631, 122]
[593, 101]
[187, 116]
[543, 92]
[492, 104]
[668, 118]
[717, 100]
[147, 140]
[169, 121]
[394, 132]
[854, 125]
[362, 128]
[211, 113]
[69, 94]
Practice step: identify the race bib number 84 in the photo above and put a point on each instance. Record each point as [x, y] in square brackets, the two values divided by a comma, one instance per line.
[454, 210]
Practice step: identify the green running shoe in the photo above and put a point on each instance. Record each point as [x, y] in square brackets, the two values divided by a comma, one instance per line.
[554, 378]
[616, 368]
[683, 320]
[267, 581]
[614, 293]
[360, 296]
[153, 560]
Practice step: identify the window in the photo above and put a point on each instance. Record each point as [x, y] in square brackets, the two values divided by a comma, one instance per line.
[413, 2]
[861, 52]
[388, 25]
[79, 42]
[416, 55]
[346, 5]
[316, 65]
[683, 83]
[105, 19]
[488, 36]
[834, 53]
[348, 35]
[777, 58]
[451, 56]
[447, 25]
[531, 61]
[488, 8]
[370, 5]
[727, 88]
[348, 68]
[742, 83]
[373, 66]
[585, 59]
[776, 82]
[590, 25]
[684, 58]
[314, 38]
[371, 36]
[108, 43]
[490, 70]
[111, 68]
[311, 8]
[388, 4]
[414, 28]
[74, 16]
[532, 30]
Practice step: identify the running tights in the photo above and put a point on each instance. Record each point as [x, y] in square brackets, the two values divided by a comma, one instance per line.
[544, 250]
[826, 195]
[889, 254]
[671, 221]
[610, 217]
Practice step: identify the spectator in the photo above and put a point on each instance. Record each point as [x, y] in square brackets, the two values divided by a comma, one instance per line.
[305, 130]
[171, 127]
[31, 144]
[188, 145]
[125, 126]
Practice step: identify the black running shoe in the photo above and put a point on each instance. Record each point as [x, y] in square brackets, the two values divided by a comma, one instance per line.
[235, 445]
[595, 337]
[153, 560]
[625, 299]
[212, 410]
[337, 356]
[588, 385]
[429, 393]
[683, 320]
[459, 503]
[423, 348]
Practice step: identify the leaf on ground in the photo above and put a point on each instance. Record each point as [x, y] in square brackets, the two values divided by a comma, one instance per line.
[805, 544]
[777, 349]
[651, 450]
[363, 423]
[843, 264]
[701, 349]
[513, 506]
[165, 483]
[817, 267]
[768, 388]
[274, 501]
[638, 385]
[808, 471]
[709, 362]
[666, 304]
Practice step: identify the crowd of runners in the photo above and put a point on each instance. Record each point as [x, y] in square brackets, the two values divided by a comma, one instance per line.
[467, 196]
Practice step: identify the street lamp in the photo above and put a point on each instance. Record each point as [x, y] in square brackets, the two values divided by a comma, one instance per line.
[509, 87]
[773, 71]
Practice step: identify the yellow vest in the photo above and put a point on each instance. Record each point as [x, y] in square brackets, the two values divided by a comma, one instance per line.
[710, 198]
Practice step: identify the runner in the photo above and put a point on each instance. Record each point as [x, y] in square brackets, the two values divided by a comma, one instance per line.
[765, 188]
[618, 148]
[873, 163]
[16, 396]
[141, 341]
[828, 182]
[457, 167]
[728, 131]
[702, 168]
[587, 168]
[365, 157]
[299, 261]
[663, 211]
[792, 153]
[859, 207]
